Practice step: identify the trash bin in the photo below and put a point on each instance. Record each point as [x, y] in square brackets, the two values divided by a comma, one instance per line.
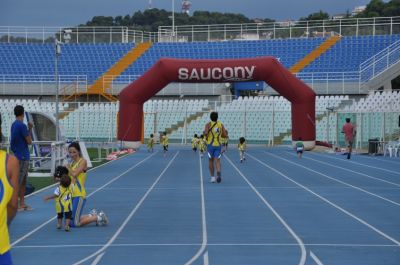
[373, 146]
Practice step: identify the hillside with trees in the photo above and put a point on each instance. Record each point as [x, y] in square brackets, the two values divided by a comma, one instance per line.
[150, 19]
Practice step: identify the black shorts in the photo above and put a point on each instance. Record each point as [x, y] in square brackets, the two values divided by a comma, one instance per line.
[165, 147]
[67, 215]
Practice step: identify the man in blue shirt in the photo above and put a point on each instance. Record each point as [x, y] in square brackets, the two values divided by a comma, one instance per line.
[20, 139]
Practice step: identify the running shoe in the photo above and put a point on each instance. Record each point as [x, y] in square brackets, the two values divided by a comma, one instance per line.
[93, 212]
[103, 217]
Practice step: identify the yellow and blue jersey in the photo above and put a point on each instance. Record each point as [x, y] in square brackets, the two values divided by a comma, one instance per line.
[150, 143]
[214, 133]
[6, 191]
[203, 144]
[242, 147]
[63, 200]
[195, 142]
[78, 189]
[164, 140]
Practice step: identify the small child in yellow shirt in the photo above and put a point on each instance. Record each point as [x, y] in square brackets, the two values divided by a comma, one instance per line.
[242, 148]
[150, 143]
[62, 197]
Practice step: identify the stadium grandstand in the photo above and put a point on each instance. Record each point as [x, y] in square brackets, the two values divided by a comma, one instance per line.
[349, 63]
[113, 87]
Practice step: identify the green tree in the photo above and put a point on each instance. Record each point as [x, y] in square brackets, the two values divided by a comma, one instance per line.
[374, 8]
[316, 16]
[392, 9]
[151, 19]
[101, 21]
[378, 8]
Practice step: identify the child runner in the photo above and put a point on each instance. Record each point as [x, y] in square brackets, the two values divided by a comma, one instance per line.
[164, 142]
[242, 148]
[225, 141]
[203, 145]
[194, 142]
[150, 143]
[299, 148]
[62, 197]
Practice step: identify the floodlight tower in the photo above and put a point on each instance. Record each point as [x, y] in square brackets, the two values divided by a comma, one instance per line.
[186, 6]
[150, 4]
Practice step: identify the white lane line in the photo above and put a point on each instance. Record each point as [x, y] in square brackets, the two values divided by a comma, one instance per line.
[156, 188]
[112, 239]
[215, 244]
[330, 203]
[108, 183]
[334, 179]
[205, 258]
[352, 171]
[378, 158]
[315, 258]
[365, 165]
[98, 258]
[296, 237]
[203, 218]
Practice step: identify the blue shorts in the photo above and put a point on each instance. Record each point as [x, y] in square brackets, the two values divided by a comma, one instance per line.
[78, 203]
[214, 151]
[5, 259]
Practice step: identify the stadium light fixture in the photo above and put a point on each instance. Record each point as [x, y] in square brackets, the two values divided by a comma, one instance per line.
[67, 35]
[329, 110]
[173, 18]
[56, 75]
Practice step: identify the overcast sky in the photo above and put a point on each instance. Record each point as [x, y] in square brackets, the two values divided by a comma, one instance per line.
[74, 12]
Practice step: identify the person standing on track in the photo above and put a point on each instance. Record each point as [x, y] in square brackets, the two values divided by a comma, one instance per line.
[214, 131]
[20, 139]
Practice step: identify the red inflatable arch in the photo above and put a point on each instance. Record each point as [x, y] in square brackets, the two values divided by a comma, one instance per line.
[169, 70]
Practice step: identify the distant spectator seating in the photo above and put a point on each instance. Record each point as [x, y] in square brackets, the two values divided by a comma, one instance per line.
[257, 118]
[92, 60]
[350, 52]
[376, 111]
[253, 116]
[7, 110]
[166, 113]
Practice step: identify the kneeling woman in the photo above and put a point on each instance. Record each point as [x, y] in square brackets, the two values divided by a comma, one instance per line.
[77, 171]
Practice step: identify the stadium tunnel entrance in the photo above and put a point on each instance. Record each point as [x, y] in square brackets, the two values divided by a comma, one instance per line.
[168, 70]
